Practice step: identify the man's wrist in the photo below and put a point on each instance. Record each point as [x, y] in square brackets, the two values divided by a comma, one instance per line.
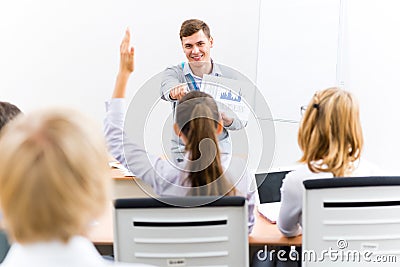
[171, 98]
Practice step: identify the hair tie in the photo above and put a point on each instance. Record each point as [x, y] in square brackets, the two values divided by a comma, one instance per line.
[316, 106]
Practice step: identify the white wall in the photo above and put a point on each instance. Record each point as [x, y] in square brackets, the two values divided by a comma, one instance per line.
[66, 53]
[371, 69]
[297, 55]
[310, 45]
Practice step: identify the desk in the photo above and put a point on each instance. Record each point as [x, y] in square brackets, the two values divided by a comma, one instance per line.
[101, 233]
[264, 233]
[125, 187]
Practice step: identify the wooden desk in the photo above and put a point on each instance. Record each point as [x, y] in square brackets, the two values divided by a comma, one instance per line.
[266, 233]
[101, 233]
[125, 187]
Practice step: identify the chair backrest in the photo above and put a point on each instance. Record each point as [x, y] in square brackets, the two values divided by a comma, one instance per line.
[4, 245]
[183, 231]
[351, 221]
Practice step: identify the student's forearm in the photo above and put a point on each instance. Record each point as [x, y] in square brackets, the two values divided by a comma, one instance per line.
[120, 85]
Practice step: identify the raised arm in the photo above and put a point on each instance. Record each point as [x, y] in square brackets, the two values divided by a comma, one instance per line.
[126, 66]
[153, 170]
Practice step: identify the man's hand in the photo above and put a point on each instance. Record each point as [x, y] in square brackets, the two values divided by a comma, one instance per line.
[178, 91]
[226, 120]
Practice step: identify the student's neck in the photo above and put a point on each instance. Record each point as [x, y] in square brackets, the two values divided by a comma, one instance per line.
[200, 69]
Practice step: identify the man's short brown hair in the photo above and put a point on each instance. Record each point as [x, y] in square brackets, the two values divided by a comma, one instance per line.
[191, 26]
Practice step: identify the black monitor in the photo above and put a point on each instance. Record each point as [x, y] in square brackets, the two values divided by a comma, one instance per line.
[269, 185]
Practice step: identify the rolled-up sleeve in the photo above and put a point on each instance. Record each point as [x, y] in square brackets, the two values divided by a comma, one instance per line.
[236, 125]
[170, 79]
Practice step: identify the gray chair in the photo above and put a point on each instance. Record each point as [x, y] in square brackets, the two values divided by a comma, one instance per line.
[357, 219]
[182, 231]
[4, 245]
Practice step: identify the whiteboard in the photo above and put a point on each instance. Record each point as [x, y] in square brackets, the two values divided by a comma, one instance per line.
[371, 64]
[298, 54]
[66, 53]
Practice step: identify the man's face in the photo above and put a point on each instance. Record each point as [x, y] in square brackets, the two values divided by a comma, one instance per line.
[197, 47]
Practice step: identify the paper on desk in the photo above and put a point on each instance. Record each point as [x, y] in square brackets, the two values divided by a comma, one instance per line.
[270, 210]
[232, 96]
[119, 166]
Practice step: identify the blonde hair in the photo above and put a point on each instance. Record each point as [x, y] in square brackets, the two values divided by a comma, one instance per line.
[53, 175]
[330, 134]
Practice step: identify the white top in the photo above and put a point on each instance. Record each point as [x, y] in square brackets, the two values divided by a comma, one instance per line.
[78, 252]
[290, 214]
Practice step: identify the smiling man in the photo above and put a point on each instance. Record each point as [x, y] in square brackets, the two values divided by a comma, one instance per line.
[179, 79]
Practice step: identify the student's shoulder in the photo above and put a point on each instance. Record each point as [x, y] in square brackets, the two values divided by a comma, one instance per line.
[302, 173]
[229, 72]
[299, 173]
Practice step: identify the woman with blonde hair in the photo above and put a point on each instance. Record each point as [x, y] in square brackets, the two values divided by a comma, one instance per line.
[53, 184]
[331, 139]
[205, 171]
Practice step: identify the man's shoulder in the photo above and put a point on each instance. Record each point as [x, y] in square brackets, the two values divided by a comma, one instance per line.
[229, 72]
[175, 68]
[174, 71]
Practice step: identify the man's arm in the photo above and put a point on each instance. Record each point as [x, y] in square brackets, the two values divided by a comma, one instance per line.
[173, 85]
[232, 124]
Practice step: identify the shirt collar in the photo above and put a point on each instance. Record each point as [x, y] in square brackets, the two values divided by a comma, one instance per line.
[216, 70]
[76, 247]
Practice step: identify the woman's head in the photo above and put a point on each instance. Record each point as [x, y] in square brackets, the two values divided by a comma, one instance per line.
[198, 123]
[195, 105]
[330, 134]
[53, 175]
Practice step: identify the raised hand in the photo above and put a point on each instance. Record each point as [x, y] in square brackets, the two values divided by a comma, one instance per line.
[127, 54]
[126, 66]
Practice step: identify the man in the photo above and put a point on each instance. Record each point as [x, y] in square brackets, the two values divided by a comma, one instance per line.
[7, 113]
[178, 80]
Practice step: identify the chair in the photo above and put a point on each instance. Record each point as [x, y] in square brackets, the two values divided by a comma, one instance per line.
[182, 231]
[351, 221]
[4, 245]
